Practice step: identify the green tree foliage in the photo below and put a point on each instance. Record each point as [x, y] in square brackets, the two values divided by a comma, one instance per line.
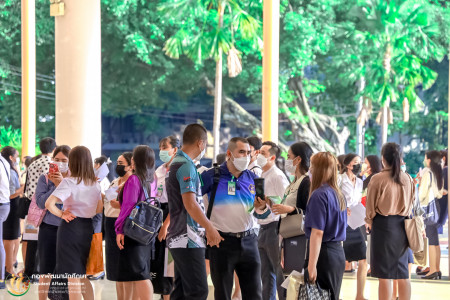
[326, 46]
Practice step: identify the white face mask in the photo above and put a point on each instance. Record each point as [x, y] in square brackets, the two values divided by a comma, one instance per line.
[62, 166]
[241, 163]
[17, 161]
[200, 156]
[289, 166]
[261, 160]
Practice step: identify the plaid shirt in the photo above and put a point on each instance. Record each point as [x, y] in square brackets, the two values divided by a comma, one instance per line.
[34, 171]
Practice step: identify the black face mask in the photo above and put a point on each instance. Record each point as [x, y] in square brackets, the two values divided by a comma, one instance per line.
[120, 170]
[356, 169]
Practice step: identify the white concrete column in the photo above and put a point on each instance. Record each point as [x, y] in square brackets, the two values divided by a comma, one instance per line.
[271, 39]
[78, 75]
[28, 77]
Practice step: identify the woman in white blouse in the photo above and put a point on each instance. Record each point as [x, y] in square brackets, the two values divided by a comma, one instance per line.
[354, 246]
[81, 197]
[168, 147]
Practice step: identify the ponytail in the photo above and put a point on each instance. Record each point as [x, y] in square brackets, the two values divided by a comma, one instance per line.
[392, 155]
[435, 166]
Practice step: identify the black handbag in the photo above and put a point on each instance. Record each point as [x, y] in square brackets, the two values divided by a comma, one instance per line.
[24, 203]
[144, 221]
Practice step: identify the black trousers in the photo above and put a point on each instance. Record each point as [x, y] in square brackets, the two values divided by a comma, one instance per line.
[32, 259]
[190, 274]
[240, 255]
[330, 267]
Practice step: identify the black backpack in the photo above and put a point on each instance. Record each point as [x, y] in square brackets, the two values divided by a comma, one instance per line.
[144, 221]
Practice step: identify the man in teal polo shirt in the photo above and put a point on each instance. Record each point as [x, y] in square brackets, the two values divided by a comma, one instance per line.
[188, 223]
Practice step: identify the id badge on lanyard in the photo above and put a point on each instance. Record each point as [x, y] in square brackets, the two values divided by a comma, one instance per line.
[232, 187]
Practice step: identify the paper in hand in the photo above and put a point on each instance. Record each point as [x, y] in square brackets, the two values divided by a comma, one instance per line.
[111, 193]
[101, 172]
[356, 218]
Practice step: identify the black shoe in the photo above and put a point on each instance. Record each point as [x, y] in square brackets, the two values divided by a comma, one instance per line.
[100, 276]
[423, 272]
[2, 285]
[434, 276]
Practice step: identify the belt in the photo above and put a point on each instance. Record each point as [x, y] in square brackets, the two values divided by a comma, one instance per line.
[4, 203]
[238, 234]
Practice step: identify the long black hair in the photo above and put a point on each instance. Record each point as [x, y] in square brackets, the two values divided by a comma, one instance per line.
[144, 165]
[305, 152]
[374, 163]
[392, 154]
[340, 159]
[347, 160]
[435, 166]
[127, 156]
[444, 155]
[6, 153]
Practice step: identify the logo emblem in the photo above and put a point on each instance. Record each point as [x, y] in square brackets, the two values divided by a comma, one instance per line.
[17, 285]
[252, 189]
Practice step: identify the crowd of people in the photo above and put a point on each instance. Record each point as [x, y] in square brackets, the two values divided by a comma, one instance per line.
[237, 221]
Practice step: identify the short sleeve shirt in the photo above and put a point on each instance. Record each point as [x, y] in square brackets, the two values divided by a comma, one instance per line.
[323, 213]
[231, 212]
[183, 231]
[80, 199]
[34, 171]
[14, 183]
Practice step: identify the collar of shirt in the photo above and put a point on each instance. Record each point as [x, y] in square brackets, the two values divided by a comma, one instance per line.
[181, 153]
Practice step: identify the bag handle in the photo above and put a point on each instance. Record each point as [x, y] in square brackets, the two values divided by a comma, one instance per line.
[150, 199]
[214, 190]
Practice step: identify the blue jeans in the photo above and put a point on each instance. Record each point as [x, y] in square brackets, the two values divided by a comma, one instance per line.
[271, 271]
[4, 212]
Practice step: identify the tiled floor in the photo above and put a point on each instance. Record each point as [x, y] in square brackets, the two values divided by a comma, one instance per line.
[421, 289]
[431, 290]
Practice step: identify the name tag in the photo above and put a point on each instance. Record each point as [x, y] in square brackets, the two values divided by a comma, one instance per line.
[231, 188]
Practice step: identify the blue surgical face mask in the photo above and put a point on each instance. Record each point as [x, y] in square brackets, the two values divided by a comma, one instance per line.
[164, 156]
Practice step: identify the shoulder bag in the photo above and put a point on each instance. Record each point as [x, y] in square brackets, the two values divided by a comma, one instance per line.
[414, 227]
[293, 225]
[36, 214]
[144, 221]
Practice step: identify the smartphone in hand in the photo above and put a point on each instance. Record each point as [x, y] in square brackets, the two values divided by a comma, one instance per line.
[53, 168]
[259, 187]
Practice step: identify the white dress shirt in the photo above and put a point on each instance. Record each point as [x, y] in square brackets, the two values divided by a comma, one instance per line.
[352, 193]
[5, 174]
[275, 184]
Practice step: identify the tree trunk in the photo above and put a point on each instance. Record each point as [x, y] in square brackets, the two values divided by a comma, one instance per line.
[360, 127]
[384, 122]
[384, 117]
[235, 114]
[218, 95]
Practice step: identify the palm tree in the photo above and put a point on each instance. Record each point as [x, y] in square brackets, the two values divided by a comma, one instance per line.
[406, 33]
[209, 31]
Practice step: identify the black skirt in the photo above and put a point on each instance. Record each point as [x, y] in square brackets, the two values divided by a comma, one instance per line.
[73, 245]
[47, 248]
[355, 245]
[134, 261]
[330, 267]
[11, 226]
[112, 251]
[389, 253]
[161, 285]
